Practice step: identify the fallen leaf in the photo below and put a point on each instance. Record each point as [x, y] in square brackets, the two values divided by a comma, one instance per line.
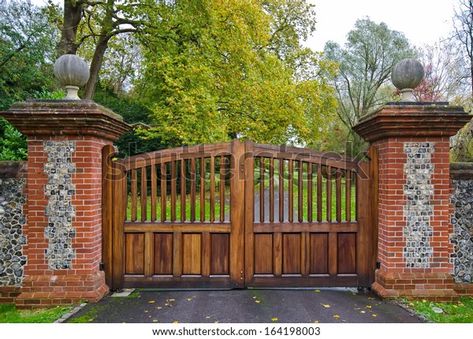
[374, 315]
[189, 299]
[316, 321]
[254, 297]
[155, 320]
[370, 298]
[326, 305]
[363, 312]
[368, 306]
[274, 319]
[336, 316]
[317, 291]
[159, 307]
[207, 317]
[146, 311]
[171, 300]
[175, 322]
[257, 301]
[151, 301]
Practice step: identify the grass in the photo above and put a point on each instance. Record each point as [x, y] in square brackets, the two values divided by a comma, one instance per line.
[454, 312]
[10, 314]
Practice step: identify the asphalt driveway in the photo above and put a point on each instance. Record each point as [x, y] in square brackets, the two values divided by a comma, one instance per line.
[236, 306]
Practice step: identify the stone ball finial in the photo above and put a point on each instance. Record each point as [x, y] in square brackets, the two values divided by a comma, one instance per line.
[72, 72]
[407, 74]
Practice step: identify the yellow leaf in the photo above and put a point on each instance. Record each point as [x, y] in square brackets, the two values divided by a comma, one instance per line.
[159, 307]
[257, 301]
[316, 321]
[189, 299]
[155, 320]
[317, 291]
[363, 312]
[171, 300]
[374, 315]
[326, 305]
[336, 316]
[274, 319]
[175, 322]
[368, 306]
[146, 311]
[151, 301]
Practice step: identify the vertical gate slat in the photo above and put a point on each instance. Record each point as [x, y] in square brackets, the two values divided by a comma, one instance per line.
[319, 192]
[163, 192]
[300, 192]
[271, 190]
[261, 189]
[193, 190]
[277, 254]
[144, 194]
[212, 189]
[149, 254]
[332, 253]
[249, 211]
[281, 190]
[202, 189]
[304, 254]
[348, 195]
[206, 254]
[309, 192]
[237, 213]
[134, 195]
[338, 195]
[173, 190]
[119, 201]
[222, 188]
[183, 190]
[329, 193]
[153, 192]
[107, 211]
[177, 254]
[291, 191]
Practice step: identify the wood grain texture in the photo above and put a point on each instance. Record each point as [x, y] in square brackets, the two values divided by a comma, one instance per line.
[291, 253]
[163, 253]
[263, 253]
[346, 253]
[220, 254]
[134, 253]
[319, 253]
[191, 253]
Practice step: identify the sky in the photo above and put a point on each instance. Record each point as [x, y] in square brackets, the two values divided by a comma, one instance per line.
[422, 21]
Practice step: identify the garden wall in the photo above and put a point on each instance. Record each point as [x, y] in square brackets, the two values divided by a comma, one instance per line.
[462, 221]
[12, 221]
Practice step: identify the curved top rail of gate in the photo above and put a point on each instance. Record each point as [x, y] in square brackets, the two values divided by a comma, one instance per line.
[191, 184]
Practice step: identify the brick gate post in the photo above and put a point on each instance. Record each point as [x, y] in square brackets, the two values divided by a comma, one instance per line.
[63, 198]
[414, 207]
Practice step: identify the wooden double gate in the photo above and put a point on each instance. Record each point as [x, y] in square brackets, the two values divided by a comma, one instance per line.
[238, 214]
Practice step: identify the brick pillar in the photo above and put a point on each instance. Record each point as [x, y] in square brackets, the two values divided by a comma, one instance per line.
[414, 208]
[64, 202]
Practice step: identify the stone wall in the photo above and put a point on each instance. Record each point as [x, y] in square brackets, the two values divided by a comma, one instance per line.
[462, 220]
[12, 221]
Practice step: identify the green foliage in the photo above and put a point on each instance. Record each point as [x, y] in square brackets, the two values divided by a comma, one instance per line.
[133, 113]
[9, 314]
[365, 64]
[454, 312]
[27, 47]
[218, 70]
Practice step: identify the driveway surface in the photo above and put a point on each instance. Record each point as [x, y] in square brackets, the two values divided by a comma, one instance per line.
[249, 306]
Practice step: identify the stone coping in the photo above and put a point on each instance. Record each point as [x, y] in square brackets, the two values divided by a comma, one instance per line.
[461, 170]
[13, 169]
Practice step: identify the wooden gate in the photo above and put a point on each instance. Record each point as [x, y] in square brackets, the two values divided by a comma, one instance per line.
[237, 214]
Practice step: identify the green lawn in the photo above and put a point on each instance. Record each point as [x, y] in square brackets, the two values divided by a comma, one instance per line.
[9, 314]
[455, 312]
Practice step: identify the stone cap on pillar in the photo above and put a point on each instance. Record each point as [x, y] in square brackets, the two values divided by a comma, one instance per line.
[411, 119]
[46, 118]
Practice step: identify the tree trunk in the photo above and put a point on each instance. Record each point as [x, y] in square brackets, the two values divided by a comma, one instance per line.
[72, 17]
[95, 66]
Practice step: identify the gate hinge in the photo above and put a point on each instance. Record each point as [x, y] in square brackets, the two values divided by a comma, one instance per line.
[241, 275]
[102, 266]
[378, 264]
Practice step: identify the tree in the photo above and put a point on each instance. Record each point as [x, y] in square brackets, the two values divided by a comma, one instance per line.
[365, 65]
[98, 22]
[463, 25]
[216, 70]
[27, 44]
[444, 78]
